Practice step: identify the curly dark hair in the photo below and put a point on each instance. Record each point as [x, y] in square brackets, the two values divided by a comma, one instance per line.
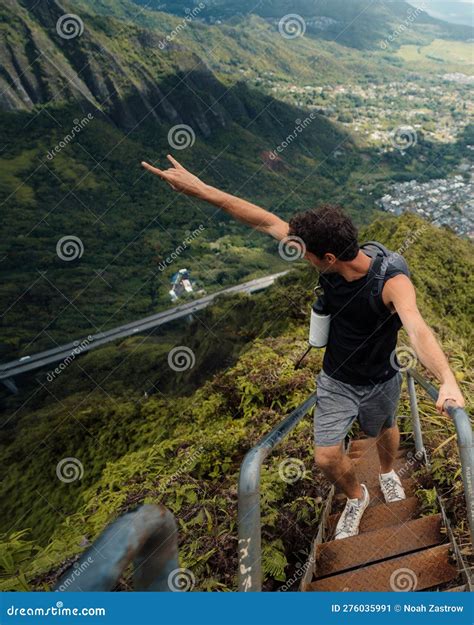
[326, 229]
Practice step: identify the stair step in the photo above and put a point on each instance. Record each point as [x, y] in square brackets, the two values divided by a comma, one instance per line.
[383, 515]
[416, 571]
[410, 486]
[338, 555]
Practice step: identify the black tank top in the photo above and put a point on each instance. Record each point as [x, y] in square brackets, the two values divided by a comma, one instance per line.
[361, 340]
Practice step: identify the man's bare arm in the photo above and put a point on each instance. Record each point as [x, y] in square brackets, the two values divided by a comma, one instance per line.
[400, 292]
[182, 180]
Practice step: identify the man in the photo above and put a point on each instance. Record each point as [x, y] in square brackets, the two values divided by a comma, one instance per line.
[360, 377]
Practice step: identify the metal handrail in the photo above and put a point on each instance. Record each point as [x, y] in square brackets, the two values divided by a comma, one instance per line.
[464, 437]
[249, 522]
[146, 536]
[250, 540]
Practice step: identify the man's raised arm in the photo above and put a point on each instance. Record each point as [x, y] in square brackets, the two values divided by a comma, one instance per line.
[182, 180]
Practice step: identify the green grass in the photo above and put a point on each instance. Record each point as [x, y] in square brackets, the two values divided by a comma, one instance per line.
[439, 56]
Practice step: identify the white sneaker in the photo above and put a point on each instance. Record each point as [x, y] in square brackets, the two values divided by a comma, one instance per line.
[391, 487]
[348, 524]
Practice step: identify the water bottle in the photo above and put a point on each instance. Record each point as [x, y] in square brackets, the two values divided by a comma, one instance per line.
[319, 325]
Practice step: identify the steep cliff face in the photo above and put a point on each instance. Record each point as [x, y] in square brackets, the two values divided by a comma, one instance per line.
[115, 68]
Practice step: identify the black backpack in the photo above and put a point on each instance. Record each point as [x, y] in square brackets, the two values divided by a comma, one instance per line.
[378, 271]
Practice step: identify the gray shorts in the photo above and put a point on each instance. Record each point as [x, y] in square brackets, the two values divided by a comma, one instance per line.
[339, 404]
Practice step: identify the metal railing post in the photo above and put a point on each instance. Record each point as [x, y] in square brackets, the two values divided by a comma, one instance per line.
[250, 540]
[465, 445]
[415, 416]
[147, 536]
[466, 453]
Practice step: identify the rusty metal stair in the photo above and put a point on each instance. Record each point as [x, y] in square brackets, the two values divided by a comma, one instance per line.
[396, 548]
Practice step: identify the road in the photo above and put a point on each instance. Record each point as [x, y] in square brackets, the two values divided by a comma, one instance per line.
[80, 346]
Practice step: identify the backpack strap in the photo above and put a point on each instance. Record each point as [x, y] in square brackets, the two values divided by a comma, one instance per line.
[378, 245]
[377, 272]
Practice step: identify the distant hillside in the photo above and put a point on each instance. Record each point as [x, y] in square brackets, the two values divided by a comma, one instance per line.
[356, 23]
[185, 451]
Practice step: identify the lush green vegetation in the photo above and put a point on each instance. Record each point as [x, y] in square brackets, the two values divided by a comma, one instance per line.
[185, 450]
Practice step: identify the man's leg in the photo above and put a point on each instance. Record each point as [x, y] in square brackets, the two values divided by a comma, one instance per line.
[338, 469]
[387, 445]
[337, 405]
[388, 442]
[377, 418]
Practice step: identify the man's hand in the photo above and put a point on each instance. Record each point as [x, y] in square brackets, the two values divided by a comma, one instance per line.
[250, 214]
[179, 178]
[449, 390]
